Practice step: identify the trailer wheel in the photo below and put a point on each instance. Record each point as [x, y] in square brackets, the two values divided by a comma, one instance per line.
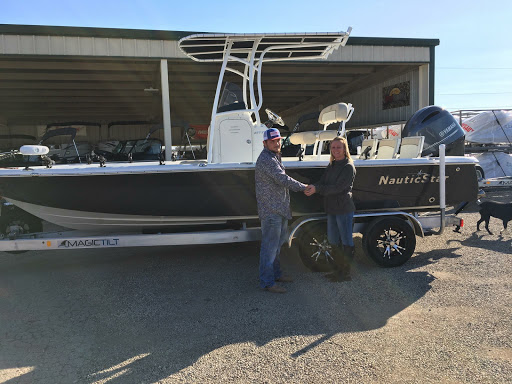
[315, 251]
[390, 242]
[480, 173]
[13, 217]
[26, 221]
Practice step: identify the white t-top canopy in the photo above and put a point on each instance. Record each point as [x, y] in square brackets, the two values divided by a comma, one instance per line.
[276, 46]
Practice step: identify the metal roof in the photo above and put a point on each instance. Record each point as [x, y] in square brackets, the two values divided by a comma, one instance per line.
[18, 29]
[47, 74]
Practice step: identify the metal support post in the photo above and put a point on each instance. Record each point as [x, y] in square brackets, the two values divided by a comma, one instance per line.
[442, 185]
[166, 109]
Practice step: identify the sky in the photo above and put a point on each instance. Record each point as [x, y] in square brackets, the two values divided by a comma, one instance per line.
[473, 60]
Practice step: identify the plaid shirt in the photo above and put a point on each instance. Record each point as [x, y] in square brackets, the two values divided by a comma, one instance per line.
[272, 186]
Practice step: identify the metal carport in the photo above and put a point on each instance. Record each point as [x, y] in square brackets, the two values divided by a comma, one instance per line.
[58, 74]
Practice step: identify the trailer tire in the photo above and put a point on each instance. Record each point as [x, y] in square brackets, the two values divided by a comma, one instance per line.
[389, 242]
[314, 249]
[480, 174]
[16, 216]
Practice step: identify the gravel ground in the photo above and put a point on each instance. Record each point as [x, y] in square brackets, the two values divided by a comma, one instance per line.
[196, 315]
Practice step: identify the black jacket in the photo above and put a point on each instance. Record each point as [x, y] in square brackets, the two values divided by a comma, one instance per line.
[336, 187]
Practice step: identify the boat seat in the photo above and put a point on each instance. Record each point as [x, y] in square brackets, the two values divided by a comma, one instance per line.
[372, 145]
[311, 137]
[327, 135]
[411, 147]
[315, 138]
[303, 138]
[388, 149]
[335, 113]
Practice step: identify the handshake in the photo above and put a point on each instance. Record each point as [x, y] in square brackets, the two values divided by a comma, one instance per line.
[310, 190]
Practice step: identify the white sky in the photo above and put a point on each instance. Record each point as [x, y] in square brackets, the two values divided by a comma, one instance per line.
[473, 60]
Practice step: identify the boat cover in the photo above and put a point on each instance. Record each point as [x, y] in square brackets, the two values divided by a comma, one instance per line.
[489, 127]
[282, 46]
[394, 131]
[495, 164]
[59, 132]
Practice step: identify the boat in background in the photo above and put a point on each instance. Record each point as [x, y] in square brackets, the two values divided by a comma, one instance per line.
[489, 139]
[10, 155]
[66, 152]
[492, 128]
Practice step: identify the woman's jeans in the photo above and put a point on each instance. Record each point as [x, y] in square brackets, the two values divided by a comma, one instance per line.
[274, 230]
[339, 227]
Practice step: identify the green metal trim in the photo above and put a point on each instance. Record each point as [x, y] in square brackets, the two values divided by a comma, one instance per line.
[392, 41]
[16, 29]
[431, 75]
[10, 29]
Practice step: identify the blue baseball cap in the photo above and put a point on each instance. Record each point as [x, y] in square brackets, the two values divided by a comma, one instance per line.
[271, 134]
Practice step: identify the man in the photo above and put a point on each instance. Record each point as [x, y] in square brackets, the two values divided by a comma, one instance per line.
[273, 197]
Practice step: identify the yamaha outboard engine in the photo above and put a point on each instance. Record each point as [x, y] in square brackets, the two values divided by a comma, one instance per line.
[439, 127]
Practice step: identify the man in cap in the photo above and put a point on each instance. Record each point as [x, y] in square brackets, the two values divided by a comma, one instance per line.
[273, 197]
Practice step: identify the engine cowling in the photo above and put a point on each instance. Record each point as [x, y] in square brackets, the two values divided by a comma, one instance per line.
[438, 126]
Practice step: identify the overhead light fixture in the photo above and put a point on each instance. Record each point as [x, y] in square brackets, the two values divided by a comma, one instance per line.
[151, 89]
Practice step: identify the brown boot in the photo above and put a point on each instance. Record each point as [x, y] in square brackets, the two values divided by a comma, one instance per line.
[285, 279]
[348, 252]
[340, 272]
[276, 289]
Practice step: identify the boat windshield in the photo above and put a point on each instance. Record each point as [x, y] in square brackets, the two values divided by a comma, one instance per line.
[232, 98]
[149, 146]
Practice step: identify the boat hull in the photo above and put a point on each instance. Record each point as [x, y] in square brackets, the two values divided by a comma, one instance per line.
[134, 198]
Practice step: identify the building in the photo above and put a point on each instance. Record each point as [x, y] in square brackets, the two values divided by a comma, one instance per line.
[108, 81]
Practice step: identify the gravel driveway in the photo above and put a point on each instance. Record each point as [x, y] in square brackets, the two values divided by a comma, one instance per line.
[196, 315]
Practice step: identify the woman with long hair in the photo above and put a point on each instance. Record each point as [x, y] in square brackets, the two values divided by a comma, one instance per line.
[336, 187]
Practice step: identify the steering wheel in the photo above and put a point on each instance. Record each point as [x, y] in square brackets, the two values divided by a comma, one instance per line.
[274, 117]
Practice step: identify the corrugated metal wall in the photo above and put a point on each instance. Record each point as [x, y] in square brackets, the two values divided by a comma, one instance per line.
[382, 54]
[88, 46]
[368, 104]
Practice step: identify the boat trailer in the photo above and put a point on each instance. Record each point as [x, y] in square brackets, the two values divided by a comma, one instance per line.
[389, 237]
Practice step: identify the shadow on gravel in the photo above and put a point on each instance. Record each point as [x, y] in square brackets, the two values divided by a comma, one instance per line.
[425, 258]
[141, 315]
[481, 239]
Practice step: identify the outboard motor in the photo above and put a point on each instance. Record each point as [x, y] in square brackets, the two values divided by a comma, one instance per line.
[438, 126]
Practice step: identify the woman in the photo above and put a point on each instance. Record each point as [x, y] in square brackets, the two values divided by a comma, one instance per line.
[336, 187]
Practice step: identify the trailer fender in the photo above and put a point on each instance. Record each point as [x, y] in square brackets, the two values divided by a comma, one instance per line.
[294, 229]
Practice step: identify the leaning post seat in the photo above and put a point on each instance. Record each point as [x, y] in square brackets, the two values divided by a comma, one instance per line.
[335, 113]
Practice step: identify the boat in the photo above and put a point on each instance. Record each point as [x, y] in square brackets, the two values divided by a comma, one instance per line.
[489, 139]
[219, 191]
[490, 127]
[10, 155]
[148, 148]
[70, 151]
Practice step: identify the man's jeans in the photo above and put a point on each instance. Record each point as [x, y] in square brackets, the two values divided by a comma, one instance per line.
[339, 227]
[274, 230]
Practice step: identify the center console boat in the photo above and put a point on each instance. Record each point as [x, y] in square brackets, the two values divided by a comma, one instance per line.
[219, 191]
